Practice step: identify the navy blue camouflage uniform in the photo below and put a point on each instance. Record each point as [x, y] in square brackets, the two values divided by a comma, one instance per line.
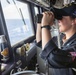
[51, 53]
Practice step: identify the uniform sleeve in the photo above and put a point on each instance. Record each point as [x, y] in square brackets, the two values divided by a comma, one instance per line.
[50, 46]
[58, 58]
[39, 44]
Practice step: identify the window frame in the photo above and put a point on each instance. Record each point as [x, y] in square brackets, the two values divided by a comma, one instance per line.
[4, 30]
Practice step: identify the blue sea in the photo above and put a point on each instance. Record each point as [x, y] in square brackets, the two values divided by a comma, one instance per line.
[18, 31]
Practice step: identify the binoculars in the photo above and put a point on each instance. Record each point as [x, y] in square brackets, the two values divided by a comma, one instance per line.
[38, 17]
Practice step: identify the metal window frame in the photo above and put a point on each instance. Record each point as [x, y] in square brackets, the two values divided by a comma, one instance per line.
[4, 31]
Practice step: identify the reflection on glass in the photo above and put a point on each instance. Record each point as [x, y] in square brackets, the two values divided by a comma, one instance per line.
[17, 29]
[36, 10]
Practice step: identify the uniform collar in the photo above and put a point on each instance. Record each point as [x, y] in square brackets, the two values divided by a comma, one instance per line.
[70, 40]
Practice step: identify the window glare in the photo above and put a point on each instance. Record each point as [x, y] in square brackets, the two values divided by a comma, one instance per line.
[36, 10]
[18, 29]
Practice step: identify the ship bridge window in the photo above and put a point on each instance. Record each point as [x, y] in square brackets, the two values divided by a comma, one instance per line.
[36, 10]
[18, 20]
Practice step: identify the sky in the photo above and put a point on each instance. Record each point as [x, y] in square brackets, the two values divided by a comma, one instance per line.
[11, 12]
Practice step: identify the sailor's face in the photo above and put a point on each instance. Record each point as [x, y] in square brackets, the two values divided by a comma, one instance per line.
[65, 24]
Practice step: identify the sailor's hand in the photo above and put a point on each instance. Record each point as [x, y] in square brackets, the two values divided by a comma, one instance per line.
[48, 18]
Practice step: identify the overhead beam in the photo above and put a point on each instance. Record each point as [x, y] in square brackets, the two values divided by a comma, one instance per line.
[38, 3]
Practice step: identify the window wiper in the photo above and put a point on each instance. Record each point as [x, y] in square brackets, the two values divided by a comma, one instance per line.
[22, 16]
[8, 1]
[20, 12]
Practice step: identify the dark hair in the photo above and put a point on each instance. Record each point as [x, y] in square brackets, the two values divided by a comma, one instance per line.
[73, 17]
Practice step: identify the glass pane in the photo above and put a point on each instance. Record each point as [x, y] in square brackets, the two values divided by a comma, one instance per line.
[14, 14]
[40, 10]
[36, 10]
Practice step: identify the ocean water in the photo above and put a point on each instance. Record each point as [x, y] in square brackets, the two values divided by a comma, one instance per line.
[18, 31]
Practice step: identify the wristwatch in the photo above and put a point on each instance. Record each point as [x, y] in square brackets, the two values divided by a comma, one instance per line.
[47, 26]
